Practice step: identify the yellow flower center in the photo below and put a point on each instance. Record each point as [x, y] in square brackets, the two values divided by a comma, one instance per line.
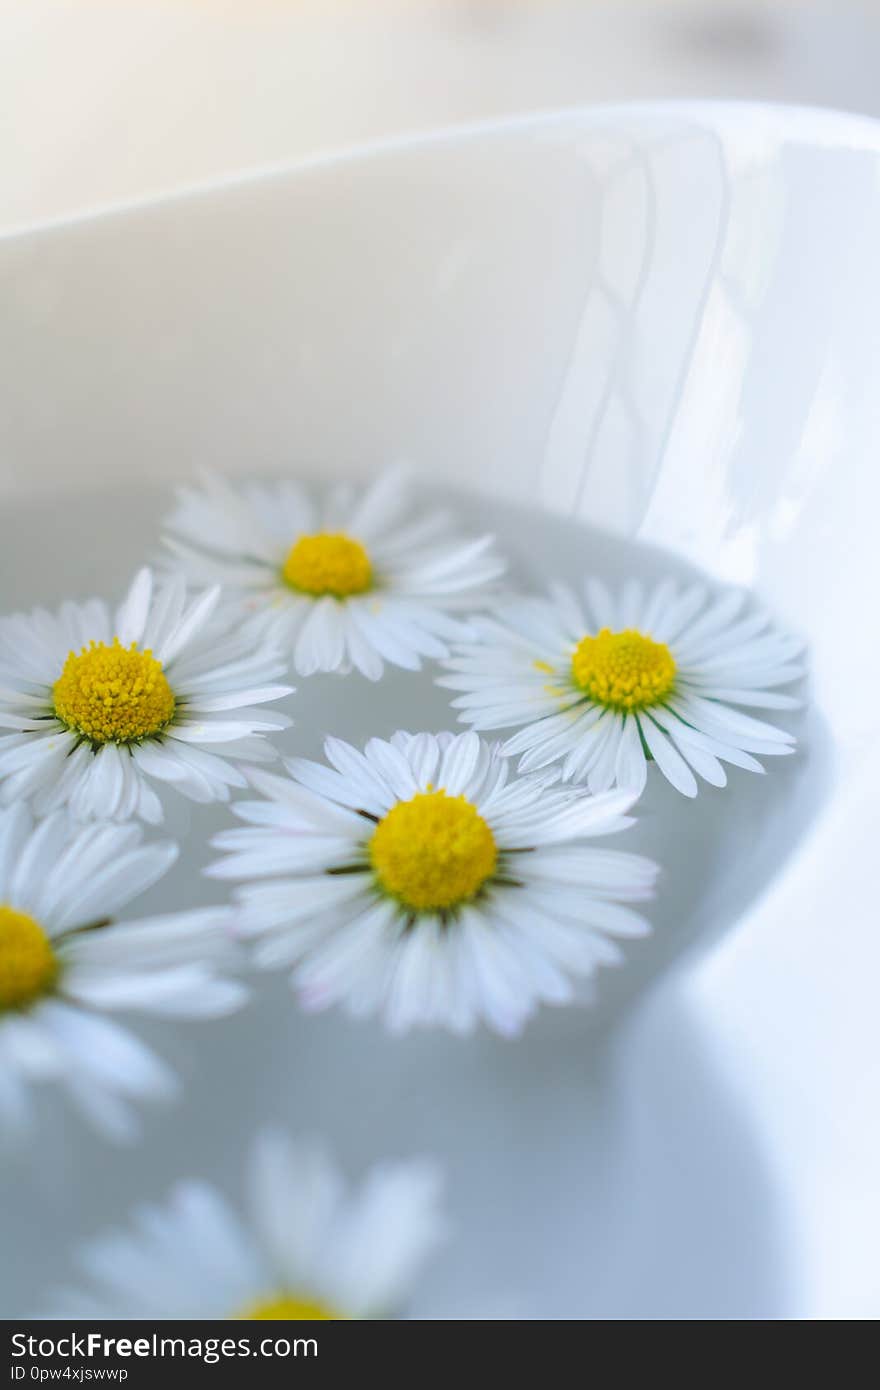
[623, 670]
[433, 852]
[113, 694]
[28, 964]
[328, 564]
[285, 1308]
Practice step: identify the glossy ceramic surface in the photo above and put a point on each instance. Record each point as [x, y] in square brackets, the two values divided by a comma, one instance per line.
[659, 320]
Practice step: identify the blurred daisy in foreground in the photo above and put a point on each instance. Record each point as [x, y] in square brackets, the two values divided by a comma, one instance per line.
[356, 580]
[419, 880]
[606, 685]
[101, 705]
[63, 967]
[307, 1248]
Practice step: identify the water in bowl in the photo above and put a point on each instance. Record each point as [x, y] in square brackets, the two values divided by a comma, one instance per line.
[528, 1131]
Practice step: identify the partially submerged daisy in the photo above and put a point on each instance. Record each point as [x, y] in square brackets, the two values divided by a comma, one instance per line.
[101, 705]
[422, 881]
[307, 1248]
[350, 582]
[606, 685]
[63, 966]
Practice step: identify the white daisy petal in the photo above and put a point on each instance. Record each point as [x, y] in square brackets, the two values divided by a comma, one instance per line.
[165, 611]
[393, 768]
[629, 876]
[679, 613]
[459, 762]
[356, 792]
[132, 617]
[505, 998]
[686, 736]
[380, 508]
[95, 707]
[16, 824]
[361, 652]
[162, 761]
[332, 967]
[320, 645]
[39, 851]
[121, 881]
[62, 966]
[631, 768]
[380, 631]
[30, 1047]
[263, 906]
[148, 805]
[670, 762]
[185, 992]
[352, 582]
[602, 770]
[383, 1237]
[403, 915]
[215, 704]
[602, 694]
[583, 755]
[411, 985]
[700, 759]
[74, 766]
[108, 1055]
[423, 755]
[305, 799]
[308, 1245]
[294, 1195]
[191, 620]
[741, 728]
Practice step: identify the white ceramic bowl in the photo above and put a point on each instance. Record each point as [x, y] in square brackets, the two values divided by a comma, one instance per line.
[663, 320]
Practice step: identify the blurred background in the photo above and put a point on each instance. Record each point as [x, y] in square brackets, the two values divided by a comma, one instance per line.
[111, 100]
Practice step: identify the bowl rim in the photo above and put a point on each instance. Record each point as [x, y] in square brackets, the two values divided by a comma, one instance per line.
[817, 125]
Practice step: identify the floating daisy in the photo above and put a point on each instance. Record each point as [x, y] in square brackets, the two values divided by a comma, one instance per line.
[62, 967]
[352, 582]
[306, 1249]
[100, 706]
[605, 686]
[420, 880]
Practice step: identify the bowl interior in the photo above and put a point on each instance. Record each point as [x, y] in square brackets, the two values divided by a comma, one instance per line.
[659, 321]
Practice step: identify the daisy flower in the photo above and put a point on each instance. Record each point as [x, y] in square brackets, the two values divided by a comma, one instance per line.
[418, 879]
[351, 582]
[101, 705]
[307, 1247]
[607, 684]
[62, 967]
